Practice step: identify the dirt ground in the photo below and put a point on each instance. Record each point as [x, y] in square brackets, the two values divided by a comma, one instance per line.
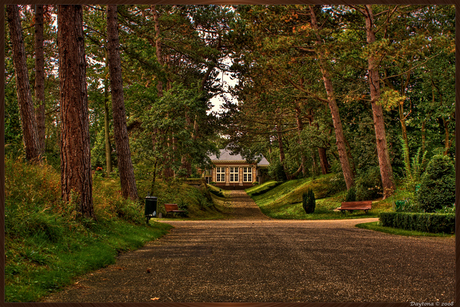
[252, 258]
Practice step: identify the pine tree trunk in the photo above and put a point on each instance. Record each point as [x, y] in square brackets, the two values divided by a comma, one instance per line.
[386, 171]
[340, 139]
[303, 162]
[39, 77]
[323, 160]
[26, 107]
[125, 166]
[281, 148]
[108, 147]
[75, 140]
[158, 47]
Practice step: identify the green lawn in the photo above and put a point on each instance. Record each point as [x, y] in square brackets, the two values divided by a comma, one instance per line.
[285, 200]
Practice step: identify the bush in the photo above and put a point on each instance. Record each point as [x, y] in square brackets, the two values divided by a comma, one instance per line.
[437, 187]
[407, 205]
[129, 210]
[369, 184]
[351, 194]
[337, 183]
[308, 201]
[276, 171]
[425, 222]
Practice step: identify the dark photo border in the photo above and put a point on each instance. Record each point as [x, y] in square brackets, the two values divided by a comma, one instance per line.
[204, 2]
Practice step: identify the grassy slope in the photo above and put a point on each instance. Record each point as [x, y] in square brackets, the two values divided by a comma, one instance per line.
[46, 247]
[285, 200]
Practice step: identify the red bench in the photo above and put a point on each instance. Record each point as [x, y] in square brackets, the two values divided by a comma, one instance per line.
[350, 206]
[173, 208]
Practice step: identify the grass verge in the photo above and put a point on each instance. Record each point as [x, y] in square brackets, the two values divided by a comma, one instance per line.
[36, 266]
[284, 201]
[401, 232]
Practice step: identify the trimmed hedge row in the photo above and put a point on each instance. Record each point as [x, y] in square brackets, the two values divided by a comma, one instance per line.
[425, 222]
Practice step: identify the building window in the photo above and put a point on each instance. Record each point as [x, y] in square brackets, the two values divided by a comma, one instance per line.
[247, 174]
[220, 174]
[233, 174]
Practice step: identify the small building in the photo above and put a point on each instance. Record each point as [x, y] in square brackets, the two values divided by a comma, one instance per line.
[234, 172]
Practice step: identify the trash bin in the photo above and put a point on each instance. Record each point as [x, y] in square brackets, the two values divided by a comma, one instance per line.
[150, 207]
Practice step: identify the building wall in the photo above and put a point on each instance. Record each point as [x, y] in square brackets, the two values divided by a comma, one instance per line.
[240, 181]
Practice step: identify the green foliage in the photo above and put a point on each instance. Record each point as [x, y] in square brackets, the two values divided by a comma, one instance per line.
[351, 194]
[425, 222]
[47, 246]
[437, 187]
[276, 171]
[407, 205]
[129, 210]
[309, 201]
[169, 120]
[369, 184]
[337, 183]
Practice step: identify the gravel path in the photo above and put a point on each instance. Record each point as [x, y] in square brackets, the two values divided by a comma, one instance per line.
[258, 259]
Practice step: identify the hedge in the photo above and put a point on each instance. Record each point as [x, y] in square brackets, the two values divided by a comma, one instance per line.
[425, 222]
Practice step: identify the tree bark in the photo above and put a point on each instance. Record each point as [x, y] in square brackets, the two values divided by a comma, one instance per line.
[386, 171]
[402, 120]
[158, 47]
[75, 140]
[26, 107]
[323, 160]
[108, 147]
[340, 139]
[281, 148]
[303, 162]
[39, 77]
[125, 166]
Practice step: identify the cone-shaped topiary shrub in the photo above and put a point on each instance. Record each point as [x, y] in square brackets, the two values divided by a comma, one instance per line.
[308, 201]
[437, 187]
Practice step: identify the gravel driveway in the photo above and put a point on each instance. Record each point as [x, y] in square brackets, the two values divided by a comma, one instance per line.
[267, 260]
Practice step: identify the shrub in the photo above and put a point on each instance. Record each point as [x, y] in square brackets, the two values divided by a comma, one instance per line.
[351, 194]
[369, 184]
[437, 187]
[276, 171]
[447, 209]
[308, 201]
[425, 222]
[337, 183]
[129, 210]
[407, 205]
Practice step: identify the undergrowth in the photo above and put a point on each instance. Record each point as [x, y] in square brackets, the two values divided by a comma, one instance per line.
[46, 247]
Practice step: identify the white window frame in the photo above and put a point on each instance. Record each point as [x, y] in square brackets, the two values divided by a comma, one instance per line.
[220, 174]
[247, 174]
[234, 174]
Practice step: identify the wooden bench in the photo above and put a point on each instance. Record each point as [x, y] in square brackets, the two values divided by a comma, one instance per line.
[350, 206]
[173, 208]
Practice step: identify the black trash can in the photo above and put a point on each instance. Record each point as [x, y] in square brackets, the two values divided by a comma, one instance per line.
[150, 207]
